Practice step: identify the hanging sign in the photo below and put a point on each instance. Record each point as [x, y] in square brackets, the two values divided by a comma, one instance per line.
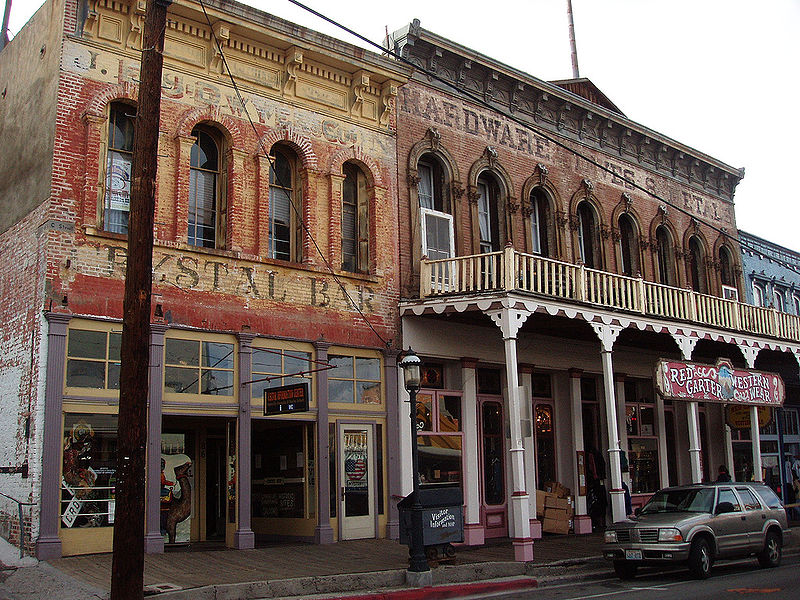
[286, 399]
[718, 383]
[738, 416]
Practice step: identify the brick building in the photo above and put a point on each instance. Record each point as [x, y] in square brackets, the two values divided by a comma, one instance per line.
[262, 277]
[541, 284]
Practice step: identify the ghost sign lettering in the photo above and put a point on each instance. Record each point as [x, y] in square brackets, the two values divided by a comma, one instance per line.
[718, 383]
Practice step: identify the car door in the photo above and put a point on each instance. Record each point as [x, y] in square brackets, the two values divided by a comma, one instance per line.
[755, 517]
[730, 527]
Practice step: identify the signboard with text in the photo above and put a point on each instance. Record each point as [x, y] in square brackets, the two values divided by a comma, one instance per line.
[722, 383]
[286, 399]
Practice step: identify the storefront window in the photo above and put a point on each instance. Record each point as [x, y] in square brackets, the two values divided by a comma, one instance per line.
[354, 379]
[198, 367]
[93, 359]
[279, 470]
[492, 434]
[89, 467]
[439, 438]
[275, 367]
[642, 441]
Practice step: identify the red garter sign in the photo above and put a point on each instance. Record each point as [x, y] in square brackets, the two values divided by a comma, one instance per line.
[718, 383]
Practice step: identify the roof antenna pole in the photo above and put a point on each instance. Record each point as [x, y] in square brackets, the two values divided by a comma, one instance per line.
[4, 32]
[573, 47]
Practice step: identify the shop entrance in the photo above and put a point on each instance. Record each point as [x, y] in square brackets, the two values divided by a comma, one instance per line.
[215, 486]
[357, 468]
[493, 488]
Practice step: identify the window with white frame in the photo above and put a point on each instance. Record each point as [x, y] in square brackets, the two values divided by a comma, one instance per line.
[758, 294]
[777, 300]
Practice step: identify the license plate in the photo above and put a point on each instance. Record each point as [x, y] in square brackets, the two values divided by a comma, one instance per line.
[633, 555]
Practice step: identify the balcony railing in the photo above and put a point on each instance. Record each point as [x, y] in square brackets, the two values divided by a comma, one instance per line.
[510, 270]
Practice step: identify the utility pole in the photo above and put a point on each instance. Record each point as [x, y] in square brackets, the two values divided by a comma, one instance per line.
[127, 566]
[572, 45]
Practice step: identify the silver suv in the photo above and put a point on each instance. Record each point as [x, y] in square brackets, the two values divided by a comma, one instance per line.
[698, 524]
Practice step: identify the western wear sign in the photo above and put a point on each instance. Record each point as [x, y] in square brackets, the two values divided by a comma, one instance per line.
[718, 383]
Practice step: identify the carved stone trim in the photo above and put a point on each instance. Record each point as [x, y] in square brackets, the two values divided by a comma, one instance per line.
[542, 172]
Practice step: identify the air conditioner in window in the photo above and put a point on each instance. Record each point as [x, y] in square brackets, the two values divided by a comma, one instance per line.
[730, 293]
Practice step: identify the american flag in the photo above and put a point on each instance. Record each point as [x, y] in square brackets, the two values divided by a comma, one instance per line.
[355, 467]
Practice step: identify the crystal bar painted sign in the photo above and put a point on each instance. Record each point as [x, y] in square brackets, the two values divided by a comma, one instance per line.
[718, 383]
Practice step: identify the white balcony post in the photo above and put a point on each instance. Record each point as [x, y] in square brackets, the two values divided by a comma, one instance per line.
[424, 279]
[582, 522]
[687, 344]
[608, 335]
[509, 270]
[473, 530]
[581, 283]
[642, 295]
[510, 321]
[755, 436]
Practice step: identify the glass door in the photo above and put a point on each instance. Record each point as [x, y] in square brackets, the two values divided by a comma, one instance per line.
[357, 472]
[493, 488]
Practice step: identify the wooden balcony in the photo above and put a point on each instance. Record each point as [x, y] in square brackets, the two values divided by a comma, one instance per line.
[510, 270]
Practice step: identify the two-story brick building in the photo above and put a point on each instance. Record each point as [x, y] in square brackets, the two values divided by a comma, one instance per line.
[274, 265]
[542, 231]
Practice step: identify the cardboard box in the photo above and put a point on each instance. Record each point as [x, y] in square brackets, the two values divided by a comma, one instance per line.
[555, 526]
[559, 514]
[555, 502]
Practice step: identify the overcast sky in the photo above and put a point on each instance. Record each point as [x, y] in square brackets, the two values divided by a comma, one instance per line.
[717, 75]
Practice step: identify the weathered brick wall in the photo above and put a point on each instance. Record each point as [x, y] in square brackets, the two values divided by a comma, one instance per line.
[229, 288]
[467, 129]
[22, 265]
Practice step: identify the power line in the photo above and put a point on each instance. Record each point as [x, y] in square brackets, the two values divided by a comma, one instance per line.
[541, 132]
[297, 212]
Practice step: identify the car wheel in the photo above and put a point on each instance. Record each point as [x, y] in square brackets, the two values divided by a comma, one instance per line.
[770, 556]
[700, 559]
[625, 569]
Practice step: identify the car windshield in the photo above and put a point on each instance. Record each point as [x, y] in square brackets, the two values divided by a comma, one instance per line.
[678, 500]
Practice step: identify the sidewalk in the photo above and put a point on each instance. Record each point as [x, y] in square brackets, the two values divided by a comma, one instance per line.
[300, 570]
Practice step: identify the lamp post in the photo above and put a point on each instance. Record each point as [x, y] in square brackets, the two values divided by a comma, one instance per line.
[411, 377]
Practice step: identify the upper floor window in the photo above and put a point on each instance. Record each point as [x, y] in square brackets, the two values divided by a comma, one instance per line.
[777, 300]
[796, 303]
[431, 188]
[697, 265]
[540, 222]
[206, 217]
[116, 204]
[628, 246]
[435, 217]
[588, 239]
[355, 220]
[489, 226]
[758, 295]
[725, 267]
[284, 211]
[665, 256]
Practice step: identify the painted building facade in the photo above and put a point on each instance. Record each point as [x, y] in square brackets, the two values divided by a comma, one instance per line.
[541, 283]
[274, 266]
[772, 280]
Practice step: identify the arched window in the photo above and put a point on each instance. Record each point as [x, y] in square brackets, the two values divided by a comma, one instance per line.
[725, 267]
[777, 299]
[540, 222]
[435, 213]
[431, 186]
[284, 206]
[117, 197]
[588, 238]
[758, 295]
[697, 265]
[205, 214]
[665, 255]
[628, 246]
[355, 220]
[488, 214]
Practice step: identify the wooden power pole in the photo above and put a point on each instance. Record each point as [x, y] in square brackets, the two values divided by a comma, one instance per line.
[127, 566]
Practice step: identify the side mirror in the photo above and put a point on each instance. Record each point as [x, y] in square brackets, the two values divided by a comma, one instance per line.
[724, 507]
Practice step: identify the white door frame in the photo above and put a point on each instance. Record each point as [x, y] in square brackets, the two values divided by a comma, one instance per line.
[367, 526]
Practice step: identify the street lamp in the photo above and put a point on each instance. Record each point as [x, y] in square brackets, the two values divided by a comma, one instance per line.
[411, 377]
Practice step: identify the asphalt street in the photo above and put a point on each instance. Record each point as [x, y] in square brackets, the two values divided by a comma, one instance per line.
[739, 580]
